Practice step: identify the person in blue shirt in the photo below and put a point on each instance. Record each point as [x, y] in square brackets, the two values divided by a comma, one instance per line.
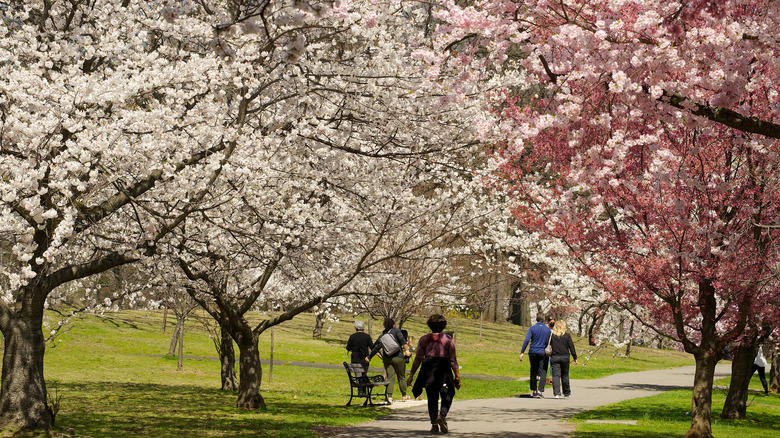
[538, 336]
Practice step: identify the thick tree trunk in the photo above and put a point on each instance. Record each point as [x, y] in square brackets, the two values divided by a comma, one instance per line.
[774, 372]
[250, 375]
[227, 356]
[735, 406]
[23, 398]
[701, 405]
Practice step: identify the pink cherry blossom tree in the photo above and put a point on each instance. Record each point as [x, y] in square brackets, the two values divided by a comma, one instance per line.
[646, 138]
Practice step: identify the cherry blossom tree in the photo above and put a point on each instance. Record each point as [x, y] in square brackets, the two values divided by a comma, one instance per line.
[119, 118]
[648, 142]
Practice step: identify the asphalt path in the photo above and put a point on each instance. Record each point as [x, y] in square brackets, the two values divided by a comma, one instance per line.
[519, 416]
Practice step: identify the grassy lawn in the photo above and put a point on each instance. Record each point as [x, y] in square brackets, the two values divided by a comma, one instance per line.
[666, 415]
[113, 379]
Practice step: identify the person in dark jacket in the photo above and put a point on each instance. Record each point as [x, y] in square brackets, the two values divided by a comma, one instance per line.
[537, 336]
[359, 344]
[438, 362]
[562, 345]
[394, 362]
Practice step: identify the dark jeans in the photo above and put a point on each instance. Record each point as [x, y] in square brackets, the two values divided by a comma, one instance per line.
[761, 376]
[538, 368]
[560, 374]
[433, 394]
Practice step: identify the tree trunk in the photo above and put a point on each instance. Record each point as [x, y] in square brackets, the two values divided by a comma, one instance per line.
[23, 398]
[774, 372]
[630, 339]
[175, 338]
[735, 406]
[701, 405]
[480, 327]
[318, 324]
[227, 356]
[250, 374]
[165, 318]
[180, 364]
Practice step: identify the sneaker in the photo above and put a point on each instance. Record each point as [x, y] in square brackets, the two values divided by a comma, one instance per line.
[566, 397]
[442, 422]
[557, 396]
[404, 398]
[434, 428]
[540, 395]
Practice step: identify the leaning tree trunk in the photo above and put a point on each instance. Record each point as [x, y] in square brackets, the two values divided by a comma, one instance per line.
[175, 337]
[23, 398]
[227, 357]
[250, 374]
[774, 372]
[735, 406]
[701, 405]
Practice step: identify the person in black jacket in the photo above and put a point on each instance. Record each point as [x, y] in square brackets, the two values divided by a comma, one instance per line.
[359, 344]
[562, 346]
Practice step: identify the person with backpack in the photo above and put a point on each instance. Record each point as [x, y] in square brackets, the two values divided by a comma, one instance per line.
[394, 348]
[439, 372]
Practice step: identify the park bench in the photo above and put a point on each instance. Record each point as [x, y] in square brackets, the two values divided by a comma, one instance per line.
[359, 380]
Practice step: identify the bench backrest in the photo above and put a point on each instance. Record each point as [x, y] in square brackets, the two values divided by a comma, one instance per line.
[357, 375]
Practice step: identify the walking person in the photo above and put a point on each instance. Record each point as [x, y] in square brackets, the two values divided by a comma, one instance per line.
[439, 372]
[759, 364]
[562, 346]
[394, 348]
[537, 336]
[359, 345]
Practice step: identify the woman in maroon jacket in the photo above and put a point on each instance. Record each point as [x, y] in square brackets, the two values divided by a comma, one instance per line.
[437, 362]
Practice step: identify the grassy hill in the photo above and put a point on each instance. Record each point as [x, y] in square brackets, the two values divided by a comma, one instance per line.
[112, 378]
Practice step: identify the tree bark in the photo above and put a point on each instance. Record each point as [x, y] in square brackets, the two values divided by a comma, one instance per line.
[701, 405]
[175, 337]
[227, 356]
[180, 363]
[318, 324]
[250, 374]
[735, 406]
[165, 318]
[23, 397]
[630, 339]
[774, 372]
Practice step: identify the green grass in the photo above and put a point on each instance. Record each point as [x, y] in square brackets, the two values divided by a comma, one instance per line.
[114, 381]
[667, 415]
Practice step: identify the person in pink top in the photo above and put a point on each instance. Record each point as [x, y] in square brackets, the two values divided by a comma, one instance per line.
[439, 372]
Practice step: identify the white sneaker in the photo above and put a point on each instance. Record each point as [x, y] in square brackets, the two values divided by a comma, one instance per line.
[557, 396]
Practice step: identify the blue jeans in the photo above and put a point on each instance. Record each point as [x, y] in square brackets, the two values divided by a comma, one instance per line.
[560, 374]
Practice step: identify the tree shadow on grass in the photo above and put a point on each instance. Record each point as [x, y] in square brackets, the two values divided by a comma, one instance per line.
[110, 409]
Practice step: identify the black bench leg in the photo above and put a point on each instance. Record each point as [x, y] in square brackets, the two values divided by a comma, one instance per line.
[368, 401]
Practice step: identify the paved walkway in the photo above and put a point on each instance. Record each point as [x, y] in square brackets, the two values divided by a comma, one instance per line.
[516, 417]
